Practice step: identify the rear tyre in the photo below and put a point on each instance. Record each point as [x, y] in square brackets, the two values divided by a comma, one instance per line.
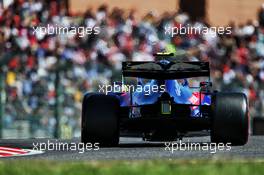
[100, 119]
[230, 119]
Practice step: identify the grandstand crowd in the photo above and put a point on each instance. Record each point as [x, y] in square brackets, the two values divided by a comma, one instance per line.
[237, 59]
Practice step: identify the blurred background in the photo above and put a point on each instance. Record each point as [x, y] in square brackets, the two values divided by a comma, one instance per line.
[43, 77]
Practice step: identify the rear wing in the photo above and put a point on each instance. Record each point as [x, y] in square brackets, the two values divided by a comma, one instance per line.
[165, 70]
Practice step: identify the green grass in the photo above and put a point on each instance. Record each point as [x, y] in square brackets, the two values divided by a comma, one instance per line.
[151, 167]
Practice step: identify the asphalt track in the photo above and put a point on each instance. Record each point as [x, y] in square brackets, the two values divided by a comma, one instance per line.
[136, 149]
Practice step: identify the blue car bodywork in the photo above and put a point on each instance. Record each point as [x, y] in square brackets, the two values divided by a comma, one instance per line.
[181, 93]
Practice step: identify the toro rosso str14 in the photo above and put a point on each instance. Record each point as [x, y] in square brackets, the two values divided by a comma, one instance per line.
[170, 112]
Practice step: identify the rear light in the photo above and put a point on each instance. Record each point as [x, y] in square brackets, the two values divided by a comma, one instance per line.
[165, 107]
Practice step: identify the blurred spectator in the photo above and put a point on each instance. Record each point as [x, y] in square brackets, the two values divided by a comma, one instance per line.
[261, 16]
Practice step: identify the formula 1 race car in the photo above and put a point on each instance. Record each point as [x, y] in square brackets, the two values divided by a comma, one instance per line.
[169, 109]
